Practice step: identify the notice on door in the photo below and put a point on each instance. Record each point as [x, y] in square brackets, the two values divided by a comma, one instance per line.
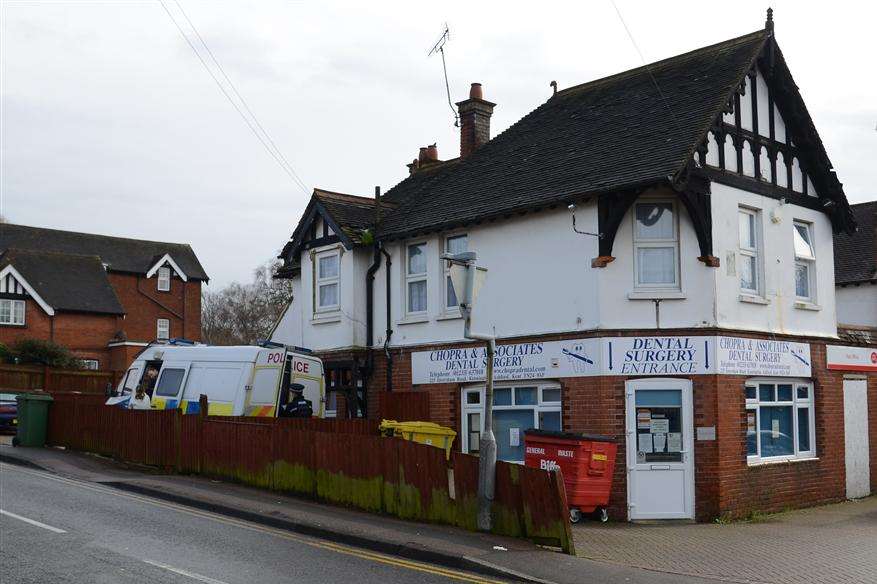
[644, 444]
[660, 440]
[660, 425]
[674, 442]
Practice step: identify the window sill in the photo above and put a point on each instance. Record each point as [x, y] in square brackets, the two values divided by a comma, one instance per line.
[326, 318]
[13, 325]
[750, 299]
[449, 316]
[656, 295]
[769, 462]
[413, 319]
[800, 305]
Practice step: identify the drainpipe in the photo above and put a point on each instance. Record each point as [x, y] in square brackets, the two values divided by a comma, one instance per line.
[389, 331]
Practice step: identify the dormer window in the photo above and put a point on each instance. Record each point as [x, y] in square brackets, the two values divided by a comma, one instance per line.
[656, 245]
[164, 279]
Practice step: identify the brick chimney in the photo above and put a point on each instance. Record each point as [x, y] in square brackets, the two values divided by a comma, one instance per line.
[425, 156]
[475, 115]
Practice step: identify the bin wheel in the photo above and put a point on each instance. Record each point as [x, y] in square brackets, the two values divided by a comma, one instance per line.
[575, 515]
[604, 515]
[15, 441]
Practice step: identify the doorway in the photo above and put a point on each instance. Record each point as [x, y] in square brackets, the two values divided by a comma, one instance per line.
[856, 437]
[660, 449]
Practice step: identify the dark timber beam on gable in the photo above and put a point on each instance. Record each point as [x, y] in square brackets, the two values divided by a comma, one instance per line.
[693, 190]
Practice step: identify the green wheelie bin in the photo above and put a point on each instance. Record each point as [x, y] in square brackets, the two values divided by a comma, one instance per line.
[33, 418]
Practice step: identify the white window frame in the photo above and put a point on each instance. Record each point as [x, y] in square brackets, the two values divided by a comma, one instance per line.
[16, 308]
[319, 281]
[446, 274]
[657, 243]
[164, 279]
[163, 323]
[808, 261]
[747, 251]
[418, 277]
[90, 364]
[796, 403]
[541, 406]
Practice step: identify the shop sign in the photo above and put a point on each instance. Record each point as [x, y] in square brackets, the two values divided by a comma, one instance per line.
[657, 355]
[842, 358]
[762, 357]
[539, 360]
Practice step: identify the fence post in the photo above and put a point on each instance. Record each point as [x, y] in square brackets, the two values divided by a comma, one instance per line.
[45, 378]
[559, 489]
[203, 406]
[178, 439]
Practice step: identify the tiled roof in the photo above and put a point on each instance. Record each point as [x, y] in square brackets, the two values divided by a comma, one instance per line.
[609, 134]
[854, 255]
[119, 253]
[65, 281]
[353, 214]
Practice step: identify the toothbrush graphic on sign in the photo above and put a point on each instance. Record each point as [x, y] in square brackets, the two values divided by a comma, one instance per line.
[577, 359]
[799, 358]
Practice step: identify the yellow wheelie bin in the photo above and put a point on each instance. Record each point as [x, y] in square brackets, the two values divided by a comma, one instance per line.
[422, 432]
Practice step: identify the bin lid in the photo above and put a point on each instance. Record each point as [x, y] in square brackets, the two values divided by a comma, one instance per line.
[34, 397]
[417, 427]
[569, 435]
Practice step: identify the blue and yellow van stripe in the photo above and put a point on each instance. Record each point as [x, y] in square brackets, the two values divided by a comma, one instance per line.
[193, 407]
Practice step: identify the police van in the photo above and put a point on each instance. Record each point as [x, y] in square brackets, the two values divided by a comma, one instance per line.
[238, 380]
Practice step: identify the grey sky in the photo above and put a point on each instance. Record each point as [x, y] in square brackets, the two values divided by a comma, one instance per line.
[111, 125]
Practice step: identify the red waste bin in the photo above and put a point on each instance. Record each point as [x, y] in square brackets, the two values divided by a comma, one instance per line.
[587, 462]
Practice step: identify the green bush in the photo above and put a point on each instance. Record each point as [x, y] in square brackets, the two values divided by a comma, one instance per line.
[40, 352]
[6, 356]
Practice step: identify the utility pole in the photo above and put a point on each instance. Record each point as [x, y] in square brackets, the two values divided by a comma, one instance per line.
[467, 278]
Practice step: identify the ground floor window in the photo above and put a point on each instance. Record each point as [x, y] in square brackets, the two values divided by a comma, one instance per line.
[780, 423]
[516, 408]
[92, 364]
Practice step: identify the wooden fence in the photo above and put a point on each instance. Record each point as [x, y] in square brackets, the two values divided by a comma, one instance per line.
[404, 406]
[343, 462]
[30, 377]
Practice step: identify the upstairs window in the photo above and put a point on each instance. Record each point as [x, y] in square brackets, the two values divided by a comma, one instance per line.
[805, 260]
[328, 281]
[164, 279]
[12, 312]
[415, 278]
[656, 245]
[453, 245]
[163, 329]
[749, 249]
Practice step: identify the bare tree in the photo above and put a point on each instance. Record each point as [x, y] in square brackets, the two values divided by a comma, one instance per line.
[241, 314]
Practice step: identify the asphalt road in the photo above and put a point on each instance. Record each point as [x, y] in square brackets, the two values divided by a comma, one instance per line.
[54, 529]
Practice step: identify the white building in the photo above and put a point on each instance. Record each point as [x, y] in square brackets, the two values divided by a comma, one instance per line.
[715, 204]
[855, 270]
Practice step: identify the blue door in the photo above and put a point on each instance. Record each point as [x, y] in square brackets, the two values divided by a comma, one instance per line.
[509, 428]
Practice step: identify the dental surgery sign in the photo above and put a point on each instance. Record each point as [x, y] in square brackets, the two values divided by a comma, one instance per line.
[573, 358]
[653, 356]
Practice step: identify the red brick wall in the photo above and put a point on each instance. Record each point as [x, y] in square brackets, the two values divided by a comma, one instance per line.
[144, 305]
[86, 335]
[724, 483]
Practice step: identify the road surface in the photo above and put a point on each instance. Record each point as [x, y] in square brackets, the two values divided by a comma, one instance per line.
[54, 529]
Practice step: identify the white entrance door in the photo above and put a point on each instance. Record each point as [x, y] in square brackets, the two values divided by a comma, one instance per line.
[660, 449]
[856, 438]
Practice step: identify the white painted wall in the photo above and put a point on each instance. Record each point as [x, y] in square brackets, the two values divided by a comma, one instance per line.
[332, 330]
[857, 305]
[779, 311]
[541, 281]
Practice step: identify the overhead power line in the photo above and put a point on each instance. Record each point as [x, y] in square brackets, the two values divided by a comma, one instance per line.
[252, 121]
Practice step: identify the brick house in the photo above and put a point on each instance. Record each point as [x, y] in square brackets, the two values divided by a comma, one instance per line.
[660, 254]
[105, 298]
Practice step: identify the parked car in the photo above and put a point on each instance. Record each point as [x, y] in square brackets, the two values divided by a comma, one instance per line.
[8, 412]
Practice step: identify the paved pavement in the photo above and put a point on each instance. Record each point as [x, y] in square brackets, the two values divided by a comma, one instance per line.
[834, 544]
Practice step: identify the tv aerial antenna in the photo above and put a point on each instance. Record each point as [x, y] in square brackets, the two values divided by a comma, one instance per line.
[439, 47]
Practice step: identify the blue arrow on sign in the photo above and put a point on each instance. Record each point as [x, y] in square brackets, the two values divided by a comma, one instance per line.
[706, 350]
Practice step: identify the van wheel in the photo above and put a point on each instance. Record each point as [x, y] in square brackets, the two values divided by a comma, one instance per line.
[575, 515]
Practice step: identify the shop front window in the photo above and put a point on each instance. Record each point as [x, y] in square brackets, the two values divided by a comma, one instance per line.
[779, 420]
[516, 409]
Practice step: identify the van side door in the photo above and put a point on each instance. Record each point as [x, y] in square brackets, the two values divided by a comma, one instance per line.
[169, 386]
